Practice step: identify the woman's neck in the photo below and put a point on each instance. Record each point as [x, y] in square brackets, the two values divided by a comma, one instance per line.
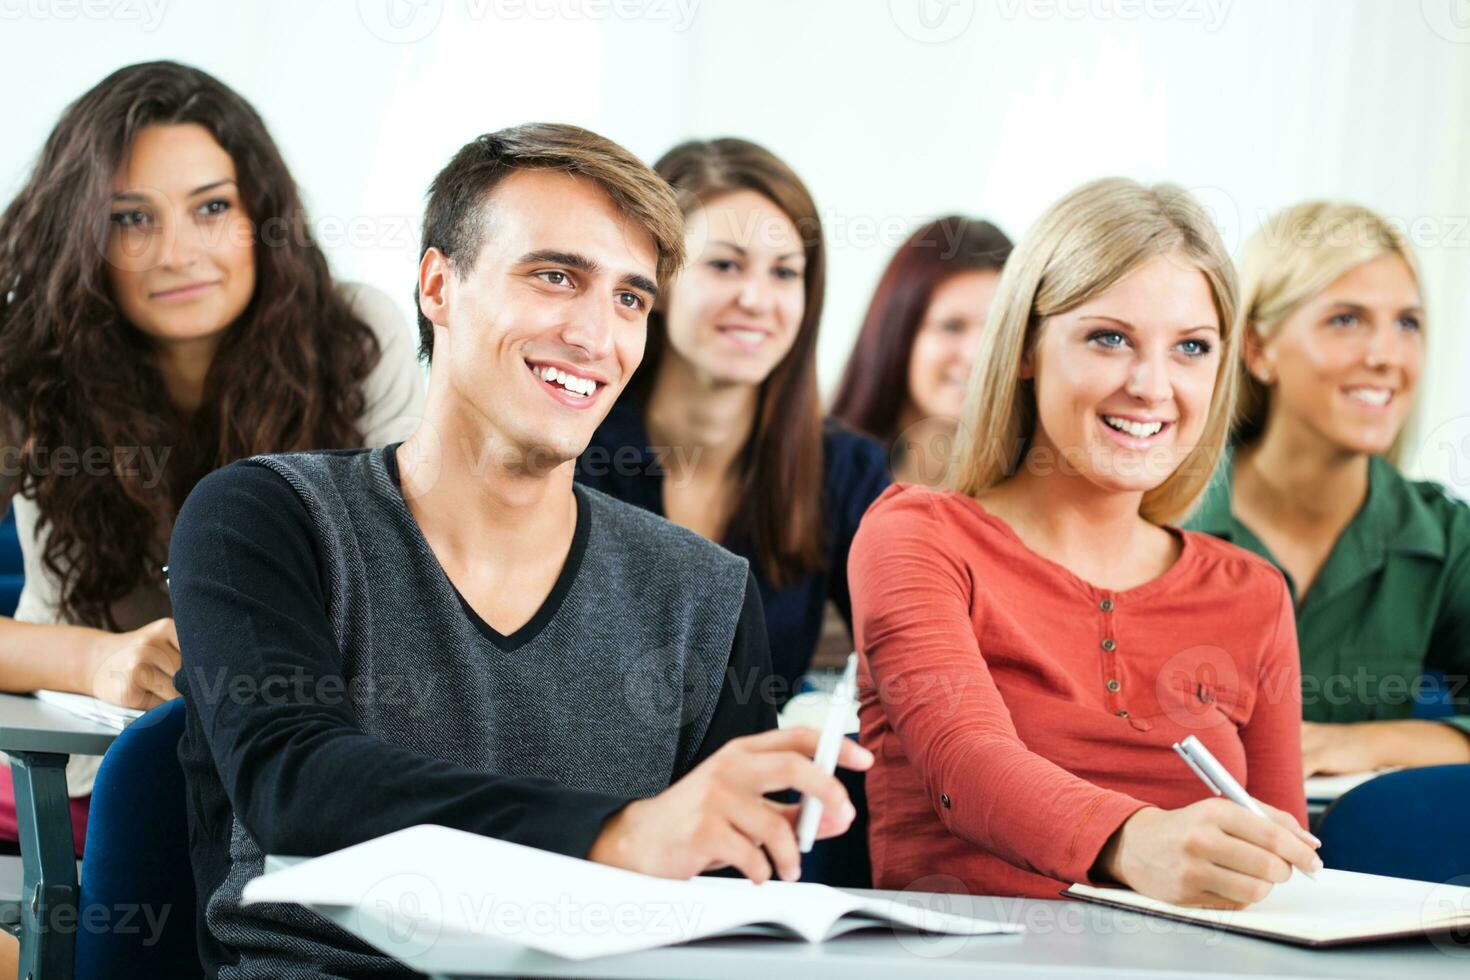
[706, 421]
[185, 366]
[1068, 518]
[1298, 476]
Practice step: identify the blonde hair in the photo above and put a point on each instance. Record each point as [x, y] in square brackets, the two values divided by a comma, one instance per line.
[1293, 257]
[1083, 245]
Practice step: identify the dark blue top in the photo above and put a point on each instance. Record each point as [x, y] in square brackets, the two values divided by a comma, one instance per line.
[619, 462]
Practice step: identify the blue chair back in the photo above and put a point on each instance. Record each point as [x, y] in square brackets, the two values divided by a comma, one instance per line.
[842, 862]
[1432, 698]
[1407, 824]
[12, 568]
[137, 858]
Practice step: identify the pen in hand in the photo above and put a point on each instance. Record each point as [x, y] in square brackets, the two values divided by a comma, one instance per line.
[828, 746]
[1219, 781]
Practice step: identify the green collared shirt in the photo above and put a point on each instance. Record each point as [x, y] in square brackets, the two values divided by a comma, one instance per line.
[1391, 601]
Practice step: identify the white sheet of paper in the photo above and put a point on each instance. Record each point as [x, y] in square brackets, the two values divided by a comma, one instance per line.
[433, 880]
[92, 709]
[1339, 904]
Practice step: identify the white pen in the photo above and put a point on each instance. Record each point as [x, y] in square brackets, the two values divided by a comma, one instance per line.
[828, 746]
[1219, 780]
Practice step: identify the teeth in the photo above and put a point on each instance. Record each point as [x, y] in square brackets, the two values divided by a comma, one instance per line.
[572, 383]
[1370, 396]
[747, 336]
[1139, 430]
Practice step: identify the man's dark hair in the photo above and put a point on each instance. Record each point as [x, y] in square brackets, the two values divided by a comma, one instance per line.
[454, 221]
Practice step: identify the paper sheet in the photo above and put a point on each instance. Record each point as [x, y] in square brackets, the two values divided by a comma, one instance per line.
[1338, 905]
[430, 881]
[112, 715]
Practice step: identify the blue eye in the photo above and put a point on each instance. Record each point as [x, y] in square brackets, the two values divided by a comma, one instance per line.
[1343, 320]
[1195, 348]
[1108, 339]
[1410, 323]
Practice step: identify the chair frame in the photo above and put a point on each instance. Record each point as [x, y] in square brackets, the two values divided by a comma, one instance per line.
[49, 885]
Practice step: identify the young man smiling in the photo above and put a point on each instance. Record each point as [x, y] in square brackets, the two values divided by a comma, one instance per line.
[468, 639]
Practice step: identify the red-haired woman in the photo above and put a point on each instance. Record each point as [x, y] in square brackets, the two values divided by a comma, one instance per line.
[721, 429]
[164, 310]
[907, 376]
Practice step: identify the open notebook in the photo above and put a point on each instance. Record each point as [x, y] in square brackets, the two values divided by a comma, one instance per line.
[432, 882]
[111, 715]
[1340, 907]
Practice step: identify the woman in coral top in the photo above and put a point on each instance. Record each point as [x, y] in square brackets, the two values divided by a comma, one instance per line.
[1037, 637]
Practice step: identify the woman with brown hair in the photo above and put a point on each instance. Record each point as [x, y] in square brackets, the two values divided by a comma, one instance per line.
[165, 311]
[721, 430]
[906, 380]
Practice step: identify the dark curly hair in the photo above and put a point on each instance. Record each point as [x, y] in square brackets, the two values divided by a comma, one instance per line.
[288, 374]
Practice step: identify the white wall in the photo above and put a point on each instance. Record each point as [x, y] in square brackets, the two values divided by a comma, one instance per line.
[892, 110]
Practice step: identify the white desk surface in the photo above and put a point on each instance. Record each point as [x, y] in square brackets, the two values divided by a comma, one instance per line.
[1064, 939]
[30, 725]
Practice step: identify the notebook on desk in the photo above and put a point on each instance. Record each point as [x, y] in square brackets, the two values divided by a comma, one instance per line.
[1339, 908]
[1325, 789]
[92, 709]
[435, 881]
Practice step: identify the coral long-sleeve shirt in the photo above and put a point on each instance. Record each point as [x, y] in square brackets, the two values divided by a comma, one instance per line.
[1020, 715]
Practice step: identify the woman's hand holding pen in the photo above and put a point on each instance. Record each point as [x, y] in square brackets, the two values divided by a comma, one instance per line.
[718, 815]
[1213, 854]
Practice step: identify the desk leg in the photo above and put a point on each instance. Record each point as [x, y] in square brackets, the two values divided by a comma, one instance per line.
[48, 914]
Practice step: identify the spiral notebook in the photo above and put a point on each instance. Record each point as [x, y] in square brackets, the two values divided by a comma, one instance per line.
[1339, 908]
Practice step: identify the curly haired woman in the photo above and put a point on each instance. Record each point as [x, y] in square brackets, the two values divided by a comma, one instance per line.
[164, 310]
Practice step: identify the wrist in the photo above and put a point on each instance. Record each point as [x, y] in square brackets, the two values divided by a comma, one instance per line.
[86, 657]
[1111, 862]
[611, 846]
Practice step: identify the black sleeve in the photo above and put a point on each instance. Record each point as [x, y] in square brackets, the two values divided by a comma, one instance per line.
[263, 673]
[745, 706]
[861, 479]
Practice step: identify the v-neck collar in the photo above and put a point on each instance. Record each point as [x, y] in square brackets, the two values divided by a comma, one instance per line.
[388, 460]
[1392, 520]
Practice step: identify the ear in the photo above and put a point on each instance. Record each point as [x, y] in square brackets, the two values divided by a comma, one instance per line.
[1028, 364]
[434, 275]
[1260, 359]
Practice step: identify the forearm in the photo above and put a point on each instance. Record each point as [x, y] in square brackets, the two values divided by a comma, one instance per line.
[1414, 742]
[56, 657]
[365, 787]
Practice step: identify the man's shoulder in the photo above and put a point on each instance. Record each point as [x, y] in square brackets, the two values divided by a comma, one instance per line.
[644, 539]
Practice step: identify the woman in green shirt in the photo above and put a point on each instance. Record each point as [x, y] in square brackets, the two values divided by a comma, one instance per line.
[1378, 566]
